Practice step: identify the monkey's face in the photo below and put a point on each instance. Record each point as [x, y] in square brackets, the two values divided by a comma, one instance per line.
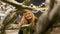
[28, 16]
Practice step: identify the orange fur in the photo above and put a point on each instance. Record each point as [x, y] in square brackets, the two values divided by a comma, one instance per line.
[24, 21]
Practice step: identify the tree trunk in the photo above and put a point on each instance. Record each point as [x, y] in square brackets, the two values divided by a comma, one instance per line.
[48, 19]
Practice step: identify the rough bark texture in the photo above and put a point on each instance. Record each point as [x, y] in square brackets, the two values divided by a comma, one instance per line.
[49, 23]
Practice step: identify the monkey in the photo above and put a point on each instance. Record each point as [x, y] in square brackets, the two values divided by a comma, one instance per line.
[28, 18]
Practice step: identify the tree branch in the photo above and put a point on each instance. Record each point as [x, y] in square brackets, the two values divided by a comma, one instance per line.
[27, 2]
[19, 6]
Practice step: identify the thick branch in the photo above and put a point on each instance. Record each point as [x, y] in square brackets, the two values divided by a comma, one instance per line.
[19, 6]
[27, 2]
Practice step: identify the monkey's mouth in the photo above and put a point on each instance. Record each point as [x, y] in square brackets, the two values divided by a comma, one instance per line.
[28, 17]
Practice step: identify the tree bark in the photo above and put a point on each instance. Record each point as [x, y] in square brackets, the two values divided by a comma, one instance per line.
[46, 20]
